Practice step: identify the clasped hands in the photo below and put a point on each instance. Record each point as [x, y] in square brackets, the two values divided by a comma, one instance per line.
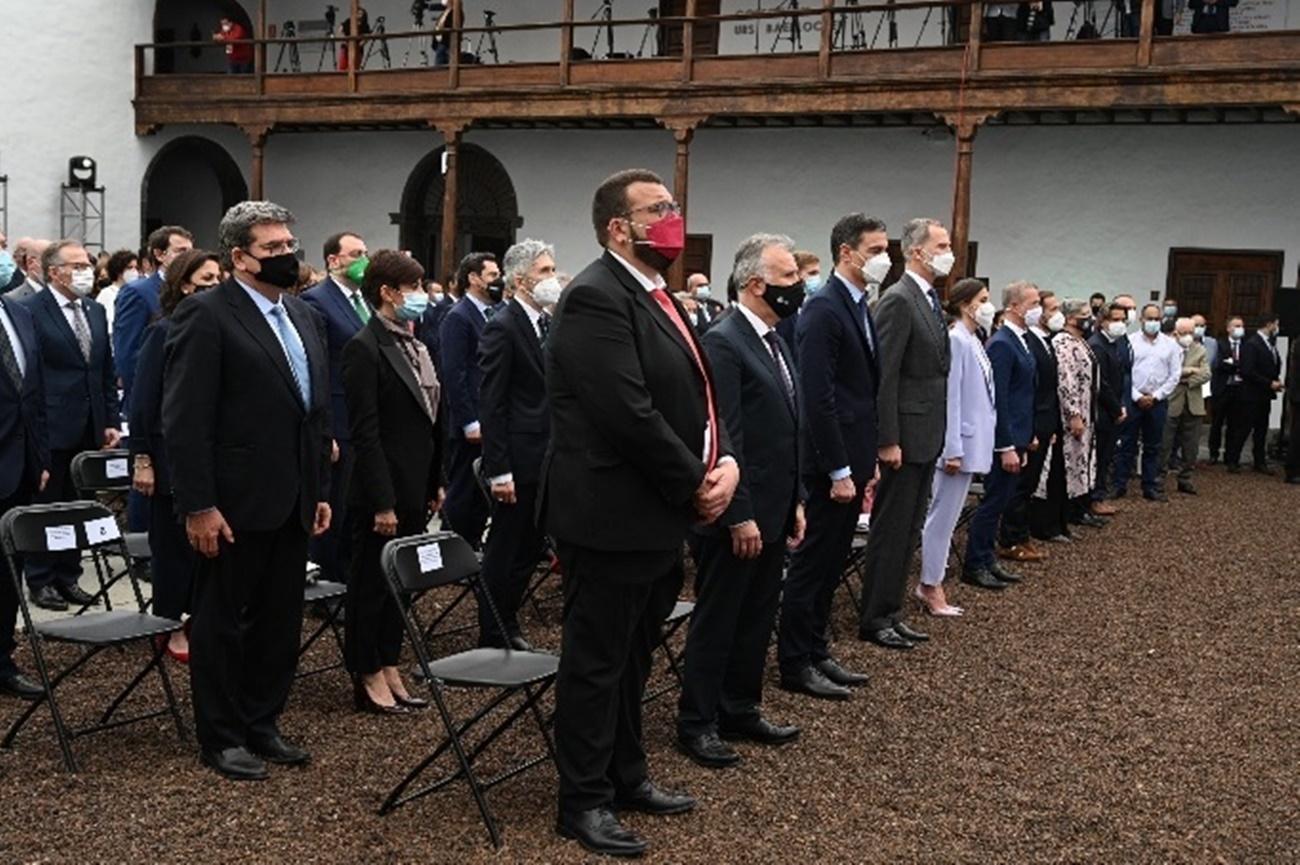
[716, 490]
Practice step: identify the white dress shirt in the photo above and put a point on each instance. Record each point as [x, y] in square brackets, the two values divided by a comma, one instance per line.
[1157, 365]
[107, 298]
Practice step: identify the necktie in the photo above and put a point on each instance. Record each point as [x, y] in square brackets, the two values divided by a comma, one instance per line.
[773, 346]
[293, 352]
[866, 323]
[10, 360]
[488, 312]
[937, 307]
[363, 312]
[80, 328]
[543, 326]
[666, 304]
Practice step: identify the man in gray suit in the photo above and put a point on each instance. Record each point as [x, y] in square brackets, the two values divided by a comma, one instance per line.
[912, 409]
[27, 254]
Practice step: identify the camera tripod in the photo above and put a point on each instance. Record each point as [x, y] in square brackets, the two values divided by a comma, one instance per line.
[651, 29]
[422, 43]
[604, 13]
[925, 22]
[289, 31]
[893, 27]
[857, 30]
[379, 40]
[327, 47]
[489, 36]
[795, 36]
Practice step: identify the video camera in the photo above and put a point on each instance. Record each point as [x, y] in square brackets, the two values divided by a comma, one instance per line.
[419, 7]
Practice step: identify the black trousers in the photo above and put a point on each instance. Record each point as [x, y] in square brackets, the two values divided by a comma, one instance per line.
[466, 508]
[1221, 407]
[1107, 440]
[815, 571]
[1248, 420]
[514, 545]
[372, 619]
[726, 646]
[332, 551]
[247, 626]
[614, 608]
[9, 592]
[1048, 517]
[1293, 443]
[897, 517]
[58, 569]
[1015, 519]
[173, 561]
[999, 28]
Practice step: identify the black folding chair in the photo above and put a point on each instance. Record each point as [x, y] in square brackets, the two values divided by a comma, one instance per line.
[418, 564]
[680, 615]
[88, 527]
[328, 596]
[111, 472]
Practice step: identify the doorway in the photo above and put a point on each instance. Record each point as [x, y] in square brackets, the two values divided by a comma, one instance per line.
[1219, 283]
[191, 181]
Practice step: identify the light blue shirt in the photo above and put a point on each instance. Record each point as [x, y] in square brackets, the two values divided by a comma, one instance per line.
[267, 308]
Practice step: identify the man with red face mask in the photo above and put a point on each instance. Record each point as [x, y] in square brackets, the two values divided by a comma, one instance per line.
[638, 454]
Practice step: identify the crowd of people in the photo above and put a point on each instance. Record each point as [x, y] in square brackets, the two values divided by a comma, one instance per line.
[605, 420]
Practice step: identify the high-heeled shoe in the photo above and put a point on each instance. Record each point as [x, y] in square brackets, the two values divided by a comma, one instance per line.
[363, 702]
[947, 610]
[164, 642]
[412, 703]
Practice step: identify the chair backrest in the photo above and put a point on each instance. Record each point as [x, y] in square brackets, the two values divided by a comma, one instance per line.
[422, 562]
[57, 527]
[102, 471]
[481, 480]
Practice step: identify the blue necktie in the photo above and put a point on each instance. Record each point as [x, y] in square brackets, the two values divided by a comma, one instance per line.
[294, 352]
[866, 323]
[938, 309]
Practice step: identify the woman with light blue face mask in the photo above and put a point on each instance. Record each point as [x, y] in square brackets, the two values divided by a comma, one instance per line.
[7, 268]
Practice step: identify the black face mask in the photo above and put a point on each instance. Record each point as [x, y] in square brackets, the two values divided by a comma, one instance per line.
[1096, 309]
[278, 270]
[784, 300]
[496, 290]
[1085, 325]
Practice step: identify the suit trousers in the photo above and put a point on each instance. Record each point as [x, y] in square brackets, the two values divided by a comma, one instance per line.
[1148, 425]
[726, 647]
[1015, 518]
[1184, 432]
[173, 560]
[815, 571]
[247, 627]
[615, 604]
[947, 498]
[58, 569]
[1293, 443]
[1047, 517]
[372, 619]
[9, 593]
[466, 508]
[1249, 419]
[897, 517]
[332, 551]
[1000, 488]
[514, 545]
[1107, 440]
[1221, 407]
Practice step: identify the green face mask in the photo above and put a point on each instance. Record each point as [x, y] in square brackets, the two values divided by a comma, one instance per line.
[356, 271]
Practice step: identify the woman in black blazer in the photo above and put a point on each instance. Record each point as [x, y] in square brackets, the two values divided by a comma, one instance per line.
[172, 558]
[392, 398]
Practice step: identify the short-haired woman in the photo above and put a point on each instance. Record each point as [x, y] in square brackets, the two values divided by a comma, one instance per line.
[392, 398]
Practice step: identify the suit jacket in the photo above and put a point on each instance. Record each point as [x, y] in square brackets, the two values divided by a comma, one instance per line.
[628, 418]
[1015, 375]
[515, 416]
[237, 433]
[1293, 380]
[914, 360]
[24, 433]
[341, 324]
[1047, 399]
[430, 327]
[1207, 18]
[1225, 367]
[146, 405]
[136, 305]
[397, 443]
[1187, 395]
[80, 395]
[458, 368]
[1110, 369]
[763, 425]
[15, 282]
[20, 290]
[971, 410]
[839, 377]
[1260, 367]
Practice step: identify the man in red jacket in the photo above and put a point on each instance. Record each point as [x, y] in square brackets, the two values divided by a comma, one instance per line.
[239, 53]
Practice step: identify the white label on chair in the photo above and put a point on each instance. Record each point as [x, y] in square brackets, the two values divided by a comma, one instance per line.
[101, 530]
[116, 469]
[124, 428]
[60, 538]
[430, 557]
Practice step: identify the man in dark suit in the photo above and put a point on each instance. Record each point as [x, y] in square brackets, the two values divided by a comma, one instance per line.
[1260, 368]
[708, 310]
[1293, 406]
[912, 413]
[1225, 383]
[479, 279]
[516, 426]
[28, 279]
[1110, 345]
[741, 556]
[429, 328]
[246, 422]
[80, 397]
[24, 463]
[1014, 376]
[338, 301]
[838, 370]
[638, 453]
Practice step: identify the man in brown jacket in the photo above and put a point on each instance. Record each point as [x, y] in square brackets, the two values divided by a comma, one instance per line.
[1186, 406]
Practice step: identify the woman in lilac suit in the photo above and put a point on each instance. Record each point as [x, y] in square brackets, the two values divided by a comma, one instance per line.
[968, 443]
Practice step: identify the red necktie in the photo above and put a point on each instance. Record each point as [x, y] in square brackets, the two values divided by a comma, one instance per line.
[666, 304]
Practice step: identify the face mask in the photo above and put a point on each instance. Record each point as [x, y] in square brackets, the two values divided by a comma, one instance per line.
[496, 290]
[812, 283]
[225, 28]
[82, 282]
[1096, 309]
[436, 297]
[130, 276]
[1085, 325]
[1171, 311]
[7, 267]
[664, 242]
[413, 306]
[547, 292]
[1033, 317]
[1238, 332]
[984, 315]
[1151, 328]
[1116, 329]
[278, 270]
[784, 300]
[356, 271]
[1185, 340]
[1199, 330]
[942, 263]
[876, 268]
[703, 293]
[1056, 322]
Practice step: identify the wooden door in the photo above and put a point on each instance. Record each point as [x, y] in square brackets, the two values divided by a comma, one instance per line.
[706, 33]
[1219, 283]
[697, 257]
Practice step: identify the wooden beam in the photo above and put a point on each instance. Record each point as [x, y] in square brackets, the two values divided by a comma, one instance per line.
[974, 36]
[451, 137]
[257, 135]
[688, 43]
[354, 16]
[683, 130]
[1146, 32]
[964, 126]
[824, 50]
[259, 51]
[566, 43]
[453, 56]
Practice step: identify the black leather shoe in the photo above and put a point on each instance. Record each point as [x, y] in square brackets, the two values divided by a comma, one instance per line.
[759, 730]
[48, 599]
[707, 750]
[414, 703]
[1263, 470]
[237, 764]
[887, 638]
[77, 596]
[1155, 496]
[1092, 521]
[599, 831]
[279, 750]
[810, 681]
[831, 669]
[649, 799]
[15, 684]
[909, 633]
[1234, 469]
[1294, 479]
[1187, 489]
[982, 579]
[1003, 574]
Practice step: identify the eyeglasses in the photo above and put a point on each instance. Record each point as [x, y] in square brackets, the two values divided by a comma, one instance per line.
[279, 247]
[80, 265]
[660, 208]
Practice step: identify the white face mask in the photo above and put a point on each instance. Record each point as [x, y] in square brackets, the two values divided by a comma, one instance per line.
[703, 293]
[1198, 331]
[1185, 339]
[984, 315]
[436, 297]
[1151, 328]
[82, 282]
[547, 292]
[1238, 332]
[1056, 322]
[1033, 317]
[1116, 329]
[130, 276]
[942, 263]
[876, 268]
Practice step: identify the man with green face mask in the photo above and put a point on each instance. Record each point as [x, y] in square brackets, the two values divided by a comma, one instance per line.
[339, 302]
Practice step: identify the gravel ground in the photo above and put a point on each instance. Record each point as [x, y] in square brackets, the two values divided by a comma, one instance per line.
[1134, 700]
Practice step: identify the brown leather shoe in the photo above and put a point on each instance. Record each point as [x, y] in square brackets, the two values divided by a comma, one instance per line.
[1021, 553]
[1101, 509]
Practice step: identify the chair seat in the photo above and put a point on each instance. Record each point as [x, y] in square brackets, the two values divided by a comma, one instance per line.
[497, 668]
[116, 626]
[137, 545]
[681, 610]
[323, 590]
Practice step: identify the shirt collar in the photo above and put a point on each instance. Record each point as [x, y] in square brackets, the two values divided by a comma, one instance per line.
[264, 306]
[760, 327]
[343, 289]
[854, 292]
[645, 282]
[478, 304]
[36, 286]
[926, 287]
[533, 314]
[1015, 328]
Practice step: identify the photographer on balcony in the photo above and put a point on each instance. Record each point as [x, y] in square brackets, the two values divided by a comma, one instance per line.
[239, 52]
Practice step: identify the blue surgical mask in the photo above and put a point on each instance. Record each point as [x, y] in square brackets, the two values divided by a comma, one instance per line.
[1151, 327]
[7, 267]
[812, 283]
[413, 306]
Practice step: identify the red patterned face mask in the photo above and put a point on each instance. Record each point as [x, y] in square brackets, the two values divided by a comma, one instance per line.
[666, 237]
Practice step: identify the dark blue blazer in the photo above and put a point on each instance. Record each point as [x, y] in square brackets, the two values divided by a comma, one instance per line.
[429, 329]
[146, 406]
[839, 377]
[341, 324]
[78, 395]
[136, 306]
[458, 369]
[1015, 375]
[24, 436]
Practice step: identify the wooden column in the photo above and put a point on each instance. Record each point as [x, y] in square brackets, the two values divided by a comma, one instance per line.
[688, 42]
[824, 51]
[453, 56]
[974, 36]
[451, 135]
[354, 55]
[683, 130]
[259, 51]
[566, 43]
[964, 125]
[1146, 32]
[257, 136]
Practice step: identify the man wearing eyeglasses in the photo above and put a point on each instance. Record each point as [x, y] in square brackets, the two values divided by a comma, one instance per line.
[246, 420]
